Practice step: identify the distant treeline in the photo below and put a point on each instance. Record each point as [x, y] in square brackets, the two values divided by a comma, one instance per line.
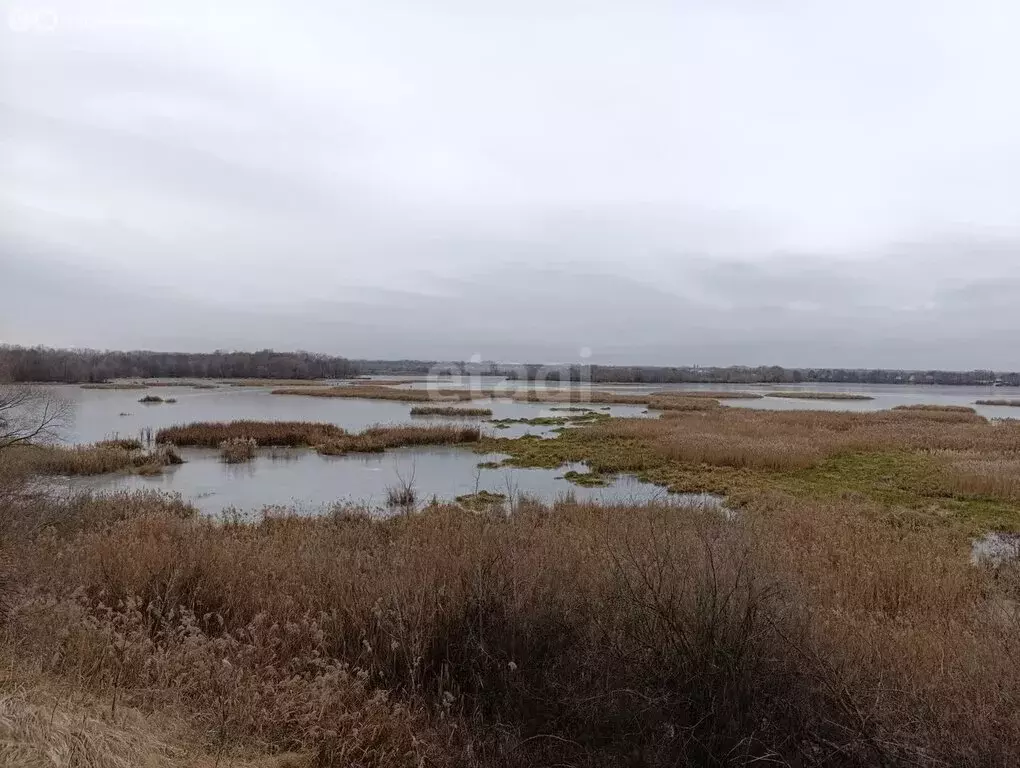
[86, 365]
[772, 374]
[645, 374]
[73, 365]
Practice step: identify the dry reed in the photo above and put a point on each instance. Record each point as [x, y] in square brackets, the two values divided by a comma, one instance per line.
[577, 634]
[439, 410]
[237, 450]
[210, 434]
[378, 439]
[796, 395]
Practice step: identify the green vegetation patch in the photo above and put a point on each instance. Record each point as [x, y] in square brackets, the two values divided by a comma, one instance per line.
[587, 479]
[481, 500]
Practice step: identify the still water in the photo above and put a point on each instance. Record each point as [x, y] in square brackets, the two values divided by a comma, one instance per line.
[309, 482]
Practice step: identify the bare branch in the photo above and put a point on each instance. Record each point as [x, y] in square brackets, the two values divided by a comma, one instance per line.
[31, 415]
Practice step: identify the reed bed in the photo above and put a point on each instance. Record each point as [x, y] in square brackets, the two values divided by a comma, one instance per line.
[439, 410]
[112, 386]
[796, 395]
[273, 382]
[383, 393]
[577, 395]
[152, 400]
[712, 395]
[127, 443]
[97, 459]
[673, 403]
[237, 450]
[800, 633]
[210, 434]
[942, 463]
[378, 439]
[668, 400]
[935, 408]
[1008, 403]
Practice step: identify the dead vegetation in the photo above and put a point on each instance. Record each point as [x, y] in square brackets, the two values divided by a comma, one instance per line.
[935, 408]
[96, 459]
[375, 392]
[210, 434]
[1007, 403]
[439, 410]
[834, 620]
[377, 439]
[798, 395]
[237, 450]
[114, 386]
[803, 633]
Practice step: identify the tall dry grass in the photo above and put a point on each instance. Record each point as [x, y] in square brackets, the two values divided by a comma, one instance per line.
[377, 439]
[935, 408]
[799, 395]
[440, 410]
[95, 459]
[237, 450]
[210, 434]
[800, 633]
[373, 392]
[780, 440]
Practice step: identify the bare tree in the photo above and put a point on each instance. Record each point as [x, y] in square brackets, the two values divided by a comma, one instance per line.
[31, 415]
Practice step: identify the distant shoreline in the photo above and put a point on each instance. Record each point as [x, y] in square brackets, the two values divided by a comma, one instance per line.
[77, 366]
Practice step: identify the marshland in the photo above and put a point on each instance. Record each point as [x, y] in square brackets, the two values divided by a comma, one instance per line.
[637, 575]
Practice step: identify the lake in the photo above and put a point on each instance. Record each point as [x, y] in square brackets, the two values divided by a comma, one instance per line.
[308, 482]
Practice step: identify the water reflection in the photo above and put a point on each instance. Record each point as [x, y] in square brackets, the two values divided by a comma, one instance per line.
[311, 483]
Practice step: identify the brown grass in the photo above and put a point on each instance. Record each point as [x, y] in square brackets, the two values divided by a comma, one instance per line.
[113, 386]
[371, 392]
[439, 410]
[680, 399]
[673, 403]
[238, 449]
[935, 408]
[210, 434]
[97, 459]
[574, 635]
[833, 620]
[273, 382]
[579, 396]
[378, 439]
[796, 395]
[716, 395]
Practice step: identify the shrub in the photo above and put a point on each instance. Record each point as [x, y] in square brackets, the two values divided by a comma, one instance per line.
[238, 449]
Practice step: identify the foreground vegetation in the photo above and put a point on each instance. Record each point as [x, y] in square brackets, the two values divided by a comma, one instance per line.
[831, 616]
[96, 459]
[801, 633]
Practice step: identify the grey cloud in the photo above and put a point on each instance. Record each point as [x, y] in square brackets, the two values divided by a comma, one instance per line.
[662, 182]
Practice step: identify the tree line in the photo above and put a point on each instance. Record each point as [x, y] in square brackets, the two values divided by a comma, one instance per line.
[27, 364]
[23, 364]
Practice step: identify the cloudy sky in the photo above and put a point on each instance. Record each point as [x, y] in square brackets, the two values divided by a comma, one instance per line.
[793, 182]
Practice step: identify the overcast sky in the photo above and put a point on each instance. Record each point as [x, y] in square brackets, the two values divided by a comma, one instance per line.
[793, 182]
